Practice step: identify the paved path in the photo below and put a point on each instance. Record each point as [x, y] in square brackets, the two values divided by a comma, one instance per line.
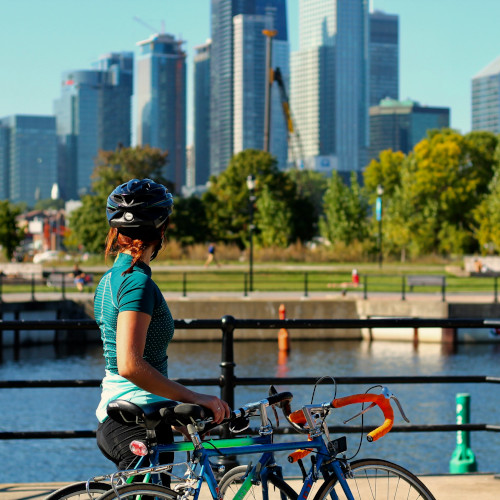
[444, 487]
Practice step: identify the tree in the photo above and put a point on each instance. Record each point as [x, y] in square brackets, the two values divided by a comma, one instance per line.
[188, 222]
[385, 172]
[227, 199]
[274, 220]
[487, 218]
[88, 223]
[49, 203]
[10, 235]
[345, 211]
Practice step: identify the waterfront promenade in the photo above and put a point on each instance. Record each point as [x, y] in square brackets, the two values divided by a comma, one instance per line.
[443, 487]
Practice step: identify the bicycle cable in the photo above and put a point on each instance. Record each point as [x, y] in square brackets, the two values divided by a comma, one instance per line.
[321, 380]
[362, 423]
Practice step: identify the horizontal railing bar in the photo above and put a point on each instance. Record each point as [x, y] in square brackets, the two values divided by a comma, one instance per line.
[41, 384]
[265, 381]
[439, 379]
[202, 324]
[348, 429]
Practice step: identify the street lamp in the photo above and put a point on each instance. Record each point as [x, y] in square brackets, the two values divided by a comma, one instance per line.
[251, 201]
[378, 215]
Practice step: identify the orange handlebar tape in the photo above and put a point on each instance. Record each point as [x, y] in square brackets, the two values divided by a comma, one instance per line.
[381, 401]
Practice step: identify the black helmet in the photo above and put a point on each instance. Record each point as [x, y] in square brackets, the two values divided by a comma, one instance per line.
[139, 207]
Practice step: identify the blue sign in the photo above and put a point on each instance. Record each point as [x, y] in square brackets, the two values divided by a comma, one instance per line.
[378, 209]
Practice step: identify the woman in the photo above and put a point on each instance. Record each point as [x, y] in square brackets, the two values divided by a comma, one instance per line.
[134, 319]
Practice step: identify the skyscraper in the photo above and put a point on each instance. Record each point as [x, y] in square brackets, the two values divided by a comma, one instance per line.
[202, 114]
[250, 86]
[92, 113]
[485, 101]
[222, 70]
[329, 89]
[161, 101]
[384, 57]
[28, 157]
[400, 125]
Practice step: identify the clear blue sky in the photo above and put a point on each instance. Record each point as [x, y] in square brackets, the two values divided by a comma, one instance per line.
[443, 44]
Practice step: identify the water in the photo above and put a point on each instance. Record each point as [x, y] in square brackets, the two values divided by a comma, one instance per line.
[76, 459]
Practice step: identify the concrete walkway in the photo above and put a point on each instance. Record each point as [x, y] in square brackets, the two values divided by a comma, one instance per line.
[443, 487]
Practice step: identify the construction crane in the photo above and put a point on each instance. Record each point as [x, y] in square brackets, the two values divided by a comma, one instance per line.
[293, 136]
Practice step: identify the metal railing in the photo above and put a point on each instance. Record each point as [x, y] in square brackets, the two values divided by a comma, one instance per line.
[228, 381]
[302, 282]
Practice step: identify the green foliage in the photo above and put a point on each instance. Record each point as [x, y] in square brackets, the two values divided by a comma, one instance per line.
[487, 218]
[274, 220]
[88, 223]
[49, 203]
[227, 199]
[188, 222]
[345, 211]
[10, 235]
[385, 172]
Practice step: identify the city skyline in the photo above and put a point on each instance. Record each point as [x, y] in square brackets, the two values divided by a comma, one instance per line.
[443, 45]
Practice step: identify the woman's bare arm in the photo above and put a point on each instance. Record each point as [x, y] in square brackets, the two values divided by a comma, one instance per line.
[131, 331]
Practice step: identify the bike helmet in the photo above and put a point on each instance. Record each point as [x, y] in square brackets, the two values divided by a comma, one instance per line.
[139, 208]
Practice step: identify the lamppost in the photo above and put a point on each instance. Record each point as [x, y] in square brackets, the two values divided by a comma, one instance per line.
[251, 201]
[378, 215]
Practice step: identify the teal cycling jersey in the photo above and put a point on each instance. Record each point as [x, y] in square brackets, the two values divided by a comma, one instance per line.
[135, 291]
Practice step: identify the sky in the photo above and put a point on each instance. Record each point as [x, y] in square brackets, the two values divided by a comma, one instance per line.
[443, 44]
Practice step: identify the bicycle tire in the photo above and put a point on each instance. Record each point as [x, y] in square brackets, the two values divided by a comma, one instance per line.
[78, 491]
[372, 477]
[130, 491]
[232, 480]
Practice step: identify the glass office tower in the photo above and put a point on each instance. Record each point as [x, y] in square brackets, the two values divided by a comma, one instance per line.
[28, 157]
[161, 102]
[222, 70]
[400, 125]
[92, 113]
[201, 120]
[329, 89]
[485, 98]
[384, 57]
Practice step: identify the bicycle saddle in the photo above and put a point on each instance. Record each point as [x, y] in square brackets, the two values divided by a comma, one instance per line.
[147, 416]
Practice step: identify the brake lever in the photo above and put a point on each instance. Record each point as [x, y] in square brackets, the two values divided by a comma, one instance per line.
[389, 395]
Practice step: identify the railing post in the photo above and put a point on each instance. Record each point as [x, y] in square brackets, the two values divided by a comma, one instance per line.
[184, 285]
[1, 285]
[443, 289]
[245, 290]
[403, 288]
[227, 378]
[495, 288]
[32, 287]
[63, 288]
[365, 286]
[463, 458]
[305, 284]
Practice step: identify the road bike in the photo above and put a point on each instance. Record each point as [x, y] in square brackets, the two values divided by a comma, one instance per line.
[330, 474]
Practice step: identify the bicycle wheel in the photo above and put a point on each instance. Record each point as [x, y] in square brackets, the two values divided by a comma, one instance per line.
[233, 479]
[373, 478]
[79, 491]
[130, 491]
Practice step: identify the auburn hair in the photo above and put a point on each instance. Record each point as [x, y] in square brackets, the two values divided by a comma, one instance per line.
[117, 242]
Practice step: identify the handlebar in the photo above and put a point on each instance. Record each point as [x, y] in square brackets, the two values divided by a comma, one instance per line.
[298, 418]
[381, 401]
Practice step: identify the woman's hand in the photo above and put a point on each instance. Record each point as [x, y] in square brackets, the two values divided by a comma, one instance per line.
[219, 407]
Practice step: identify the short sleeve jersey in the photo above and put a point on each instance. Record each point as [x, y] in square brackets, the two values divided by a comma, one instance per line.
[135, 291]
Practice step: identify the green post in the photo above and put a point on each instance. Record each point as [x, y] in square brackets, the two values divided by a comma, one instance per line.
[463, 458]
